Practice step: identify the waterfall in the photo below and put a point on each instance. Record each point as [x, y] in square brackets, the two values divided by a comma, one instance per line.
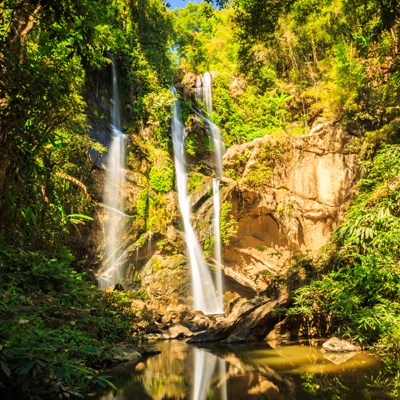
[219, 150]
[199, 88]
[114, 195]
[204, 292]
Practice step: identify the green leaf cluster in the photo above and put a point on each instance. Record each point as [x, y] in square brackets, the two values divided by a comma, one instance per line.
[229, 226]
[56, 328]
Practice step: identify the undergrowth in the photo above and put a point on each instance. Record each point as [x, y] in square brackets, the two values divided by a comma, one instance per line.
[57, 329]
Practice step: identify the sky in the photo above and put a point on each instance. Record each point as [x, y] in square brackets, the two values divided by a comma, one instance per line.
[181, 3]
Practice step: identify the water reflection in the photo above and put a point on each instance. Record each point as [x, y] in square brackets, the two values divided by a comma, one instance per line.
[204, 366]
[184, 372]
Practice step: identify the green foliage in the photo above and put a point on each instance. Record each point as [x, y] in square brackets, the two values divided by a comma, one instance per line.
[373, 223]
[333, 55]
[158, 106]
[191, 145]
[193, 27]
[372, 18]
[258, 20]
[259, 176]
[162, 172]
[272, 152]
[251, 114]
[298, 60]
[142, 204]
[161, 213]
[162, 178]
[56, 329]
[229, 226]
[195, 181]
[361, 295]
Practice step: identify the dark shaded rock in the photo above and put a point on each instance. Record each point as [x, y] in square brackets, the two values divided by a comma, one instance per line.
[249, 321]
[148, 353]
[126, 353]
[118, 288]
[222, 329]
[286, 330]
[256, 325]
[198, 323]
[336, 345]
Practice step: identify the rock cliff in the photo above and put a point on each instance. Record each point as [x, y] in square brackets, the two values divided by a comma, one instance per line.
[287, 195]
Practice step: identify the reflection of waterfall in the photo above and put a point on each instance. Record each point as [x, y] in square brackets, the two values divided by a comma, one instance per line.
[204, 366]
[222, 373]
[114, 195]
[204, 370]
[203, 91]
[204, 293]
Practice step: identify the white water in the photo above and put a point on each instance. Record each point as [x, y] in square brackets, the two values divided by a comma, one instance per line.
[222, 372]
[219, 150]
[114, 196]
[205, 364]
[199, 88]
[204, 292]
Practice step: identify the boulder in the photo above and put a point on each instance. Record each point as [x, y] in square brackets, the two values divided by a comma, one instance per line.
[166, 280]
[199, 323]
[286, 330]
[125, 353]
[250, 320]
[177, 332]
[177, 315]
[336, 345]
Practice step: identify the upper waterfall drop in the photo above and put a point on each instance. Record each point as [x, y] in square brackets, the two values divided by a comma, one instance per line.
[114, 195]
[204, 292]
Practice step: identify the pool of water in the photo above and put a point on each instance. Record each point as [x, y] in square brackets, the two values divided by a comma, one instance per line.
[248, 372]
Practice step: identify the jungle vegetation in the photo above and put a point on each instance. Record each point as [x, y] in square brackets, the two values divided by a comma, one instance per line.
[281, 68]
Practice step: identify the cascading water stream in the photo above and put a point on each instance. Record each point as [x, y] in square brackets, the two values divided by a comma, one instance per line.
[204, 292]
[219, 150]
[114, 195]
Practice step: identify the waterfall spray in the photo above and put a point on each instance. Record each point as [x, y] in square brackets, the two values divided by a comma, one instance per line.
[204, 292]
[114, 195]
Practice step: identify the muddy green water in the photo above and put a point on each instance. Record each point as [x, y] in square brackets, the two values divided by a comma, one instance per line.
[291, 372]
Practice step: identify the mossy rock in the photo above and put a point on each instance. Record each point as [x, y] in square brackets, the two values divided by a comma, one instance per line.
[166, 280]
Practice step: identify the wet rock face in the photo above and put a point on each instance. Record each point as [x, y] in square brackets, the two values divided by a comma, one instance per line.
[287, 196]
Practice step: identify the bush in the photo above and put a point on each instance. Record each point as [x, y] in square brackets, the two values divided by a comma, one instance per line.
[162, 178]
[56, 329]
